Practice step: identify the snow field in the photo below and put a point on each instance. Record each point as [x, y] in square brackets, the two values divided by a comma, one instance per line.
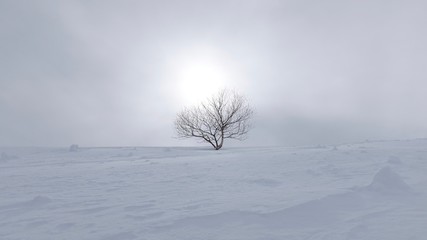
[372, 190]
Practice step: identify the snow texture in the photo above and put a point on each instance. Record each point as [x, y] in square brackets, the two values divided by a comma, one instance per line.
[371, 190]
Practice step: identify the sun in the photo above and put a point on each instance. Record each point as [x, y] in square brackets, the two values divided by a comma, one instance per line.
[199, 79]
[200, 74]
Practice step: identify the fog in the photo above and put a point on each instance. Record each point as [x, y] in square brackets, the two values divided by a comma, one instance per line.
[110, 73]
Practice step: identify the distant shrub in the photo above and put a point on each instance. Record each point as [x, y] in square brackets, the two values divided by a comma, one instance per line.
[74, 148]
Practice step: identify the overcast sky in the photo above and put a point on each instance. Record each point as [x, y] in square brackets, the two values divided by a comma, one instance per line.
[115, 73]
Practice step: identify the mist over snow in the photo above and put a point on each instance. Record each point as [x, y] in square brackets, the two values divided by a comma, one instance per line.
[114, 73]
[94, 94]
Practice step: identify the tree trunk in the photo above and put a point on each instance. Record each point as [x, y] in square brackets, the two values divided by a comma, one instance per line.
[220, 143]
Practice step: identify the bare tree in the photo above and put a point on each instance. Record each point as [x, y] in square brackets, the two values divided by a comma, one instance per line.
[225, 115]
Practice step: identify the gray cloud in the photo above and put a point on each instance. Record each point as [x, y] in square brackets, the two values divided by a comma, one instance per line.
[97, 72]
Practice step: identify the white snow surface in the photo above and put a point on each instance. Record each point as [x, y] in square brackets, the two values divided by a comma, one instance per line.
[370, 190]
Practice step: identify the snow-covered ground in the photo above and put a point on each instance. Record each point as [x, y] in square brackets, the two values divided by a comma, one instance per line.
[372, 190]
